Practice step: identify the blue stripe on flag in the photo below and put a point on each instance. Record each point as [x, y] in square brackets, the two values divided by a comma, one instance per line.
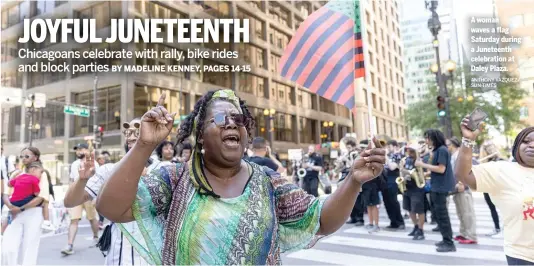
[331, 51]
[313, 49]
[332, 75]
[347, 81]
[360, 65]
[305, 36]
[350, 103]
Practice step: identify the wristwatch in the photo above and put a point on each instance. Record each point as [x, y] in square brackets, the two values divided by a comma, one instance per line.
[22, 209]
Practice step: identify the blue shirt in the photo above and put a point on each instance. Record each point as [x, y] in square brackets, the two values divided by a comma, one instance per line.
[445, 182]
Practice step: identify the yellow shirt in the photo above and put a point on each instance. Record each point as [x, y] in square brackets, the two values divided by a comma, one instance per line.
[511, 187]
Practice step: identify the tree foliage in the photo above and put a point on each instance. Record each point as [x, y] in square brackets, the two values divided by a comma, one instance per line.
[502, 104]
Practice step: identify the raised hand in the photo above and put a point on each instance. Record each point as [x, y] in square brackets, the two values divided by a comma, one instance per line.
[156, 124]
[87, 167]
[466, 132]
[370, 163]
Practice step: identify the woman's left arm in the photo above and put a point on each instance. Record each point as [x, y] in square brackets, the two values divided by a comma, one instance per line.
[338, 206]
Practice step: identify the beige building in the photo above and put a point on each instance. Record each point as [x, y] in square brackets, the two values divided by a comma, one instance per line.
[299, 118]
[385, 72]
[518, 16]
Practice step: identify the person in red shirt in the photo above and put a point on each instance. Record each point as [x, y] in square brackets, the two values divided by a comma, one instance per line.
[26, 186]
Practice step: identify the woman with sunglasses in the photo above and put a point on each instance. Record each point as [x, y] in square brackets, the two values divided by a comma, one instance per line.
[27, 221]
[218, 208]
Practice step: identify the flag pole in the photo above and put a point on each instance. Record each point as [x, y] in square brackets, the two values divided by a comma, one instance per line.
[367, 63]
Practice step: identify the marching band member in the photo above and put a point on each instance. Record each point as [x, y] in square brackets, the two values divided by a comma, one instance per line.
[442, 182]
[511, 187]
[391, 202]
[413, 198]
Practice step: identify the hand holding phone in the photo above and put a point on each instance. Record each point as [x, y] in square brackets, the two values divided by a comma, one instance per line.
[475, 118]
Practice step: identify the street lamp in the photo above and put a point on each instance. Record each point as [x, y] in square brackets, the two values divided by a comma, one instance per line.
[434, 25]
[30, 109]
[269, 113]
[328, 125]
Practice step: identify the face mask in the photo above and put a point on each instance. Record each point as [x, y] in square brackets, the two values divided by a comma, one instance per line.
[81, 156]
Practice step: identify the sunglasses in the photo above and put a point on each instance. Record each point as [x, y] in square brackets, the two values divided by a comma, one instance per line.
[25, 156]
[129, 132]
[222, 120]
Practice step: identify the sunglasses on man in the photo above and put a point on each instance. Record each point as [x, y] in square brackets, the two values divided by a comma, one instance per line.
[24, 157]
[221, 120]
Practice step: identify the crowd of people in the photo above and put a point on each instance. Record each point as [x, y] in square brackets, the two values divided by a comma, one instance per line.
[218, 195]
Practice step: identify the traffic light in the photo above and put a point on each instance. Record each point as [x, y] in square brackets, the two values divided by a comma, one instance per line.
[99, 136]
[441, 106]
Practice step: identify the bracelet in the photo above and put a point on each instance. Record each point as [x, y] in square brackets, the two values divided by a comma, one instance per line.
[468, 143]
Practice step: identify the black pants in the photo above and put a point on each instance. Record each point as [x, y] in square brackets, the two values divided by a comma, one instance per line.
[442, 216]
[356, 214]
[311, 186]
[101, 218]
[431, 207]
[392, 205]
[494, 214]
[514, 261]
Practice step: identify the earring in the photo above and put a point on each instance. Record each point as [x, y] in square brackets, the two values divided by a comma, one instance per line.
[202, 151]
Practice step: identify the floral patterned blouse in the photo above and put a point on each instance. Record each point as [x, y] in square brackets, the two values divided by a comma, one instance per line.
[180, 226]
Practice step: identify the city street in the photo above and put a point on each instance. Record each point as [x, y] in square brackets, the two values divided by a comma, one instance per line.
[348, 246]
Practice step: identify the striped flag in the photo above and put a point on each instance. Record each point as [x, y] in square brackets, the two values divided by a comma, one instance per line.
[326, 55]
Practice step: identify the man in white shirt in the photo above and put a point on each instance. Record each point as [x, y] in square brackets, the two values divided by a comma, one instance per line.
[75, 212]
[87, 187]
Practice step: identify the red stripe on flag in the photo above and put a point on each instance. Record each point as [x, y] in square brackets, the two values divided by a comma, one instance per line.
[308, 44]
[323, 74]
[358, 57]
[301, 30]
[322, 50]
[347, 93]
[360, 73]
[358, 43]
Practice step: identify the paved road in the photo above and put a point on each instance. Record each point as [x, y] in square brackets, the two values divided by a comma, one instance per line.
[350, 245]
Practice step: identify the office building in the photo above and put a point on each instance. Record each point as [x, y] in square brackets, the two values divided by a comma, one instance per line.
[385, 73]
[299, 115]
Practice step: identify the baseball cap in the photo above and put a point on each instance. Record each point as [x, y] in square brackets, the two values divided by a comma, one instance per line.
[81, 146]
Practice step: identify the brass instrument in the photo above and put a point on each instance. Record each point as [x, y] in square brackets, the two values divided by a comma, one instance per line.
[416, 174]
[301, 172]
[347, 158]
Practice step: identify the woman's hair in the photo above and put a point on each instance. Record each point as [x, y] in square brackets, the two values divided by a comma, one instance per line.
[436, 136]
[517, 142]
[455, 141]
[36, 165]
[35, 152]
[199, 112]
[159, 149]
[186, 146]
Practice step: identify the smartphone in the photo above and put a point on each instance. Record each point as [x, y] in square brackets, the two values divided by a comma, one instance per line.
[475, 118]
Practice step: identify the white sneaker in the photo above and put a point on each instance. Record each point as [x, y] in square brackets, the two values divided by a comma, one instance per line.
[48, 226]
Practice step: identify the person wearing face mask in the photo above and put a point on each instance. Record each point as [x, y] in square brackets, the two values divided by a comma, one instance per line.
[118, 250]
[75, 212]
[511, 187]
[219, 209]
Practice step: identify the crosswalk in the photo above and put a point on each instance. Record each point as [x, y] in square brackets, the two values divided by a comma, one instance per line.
[354, 245]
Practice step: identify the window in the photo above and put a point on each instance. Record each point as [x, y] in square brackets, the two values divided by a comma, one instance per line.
[283, 127]
[279, 14]
[307, 130]
[327, 106]
[146, 97]
[274, 63]
[218, 9]
[251, 54]
[304, 99]
[280, 93]
[108, 102]
[256, 25]
[278, 38]
[222, 79]
[251, 84]
[51, 120]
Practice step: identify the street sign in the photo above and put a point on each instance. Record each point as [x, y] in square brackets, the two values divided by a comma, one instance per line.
[40, 100]
[73, 110]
